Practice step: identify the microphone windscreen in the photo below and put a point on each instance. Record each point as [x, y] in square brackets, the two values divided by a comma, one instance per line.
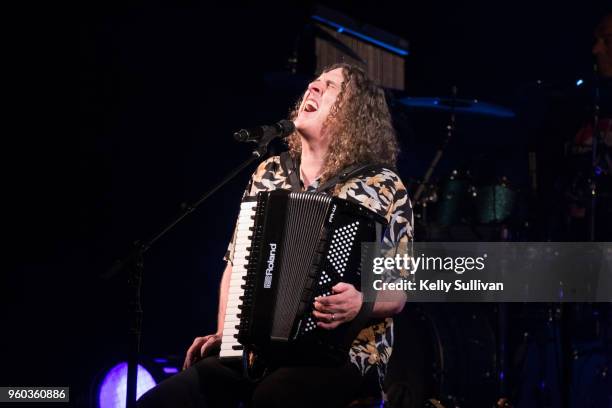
[287, 126]
[242, 135]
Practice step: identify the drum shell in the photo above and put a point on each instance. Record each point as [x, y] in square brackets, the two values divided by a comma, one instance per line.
[443, 351]
[494, 203]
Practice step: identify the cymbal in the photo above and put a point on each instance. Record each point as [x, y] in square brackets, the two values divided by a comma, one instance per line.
[448, 104]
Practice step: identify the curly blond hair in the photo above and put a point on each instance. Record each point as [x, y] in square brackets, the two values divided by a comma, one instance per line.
[359, 124]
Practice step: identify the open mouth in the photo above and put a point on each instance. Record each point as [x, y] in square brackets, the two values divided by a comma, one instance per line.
[310, 106]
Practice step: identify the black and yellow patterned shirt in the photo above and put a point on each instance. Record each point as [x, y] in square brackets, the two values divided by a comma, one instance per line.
[380, 191]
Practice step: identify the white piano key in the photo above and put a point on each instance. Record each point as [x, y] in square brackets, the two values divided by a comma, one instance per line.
[236, 289]
[241, 253]
[230, 327]
[229, 331]
[233, 310]
[229, 345]
[229, 339]
[235, 282]
[233, 302]
[231, 353]
[228, 324]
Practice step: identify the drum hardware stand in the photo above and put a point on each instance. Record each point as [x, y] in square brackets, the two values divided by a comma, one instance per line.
[521, 358]
[133, 265]
[450, 129]
[594, 166]
[565, 341]
[502, 333]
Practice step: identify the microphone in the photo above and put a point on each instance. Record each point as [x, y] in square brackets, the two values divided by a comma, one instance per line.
[281, 129]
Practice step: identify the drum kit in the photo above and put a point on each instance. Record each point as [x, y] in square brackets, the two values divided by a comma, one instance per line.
[463, 204]
[501, 355]
[490, 355]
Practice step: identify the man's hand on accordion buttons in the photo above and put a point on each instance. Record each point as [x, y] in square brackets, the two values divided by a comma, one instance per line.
[341, 307]
[200, 348]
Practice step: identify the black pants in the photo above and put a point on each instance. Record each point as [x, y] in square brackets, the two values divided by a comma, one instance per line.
[209, 383]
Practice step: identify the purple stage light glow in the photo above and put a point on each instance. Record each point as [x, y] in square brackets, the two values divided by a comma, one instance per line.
[160, 360]
[112, 393]
[170, 370]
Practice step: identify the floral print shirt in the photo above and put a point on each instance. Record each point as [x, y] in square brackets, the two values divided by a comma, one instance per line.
[381, 191]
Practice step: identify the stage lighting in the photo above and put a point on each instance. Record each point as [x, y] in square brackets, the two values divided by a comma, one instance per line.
[112, 392]
[109, 386]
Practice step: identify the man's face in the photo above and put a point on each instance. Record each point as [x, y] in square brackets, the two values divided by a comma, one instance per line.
[317, 102]
[602, 49]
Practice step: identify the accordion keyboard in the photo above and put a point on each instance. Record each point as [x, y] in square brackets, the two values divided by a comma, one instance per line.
[246, 220]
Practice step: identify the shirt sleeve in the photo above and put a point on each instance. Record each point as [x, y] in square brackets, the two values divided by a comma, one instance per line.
[398, 236]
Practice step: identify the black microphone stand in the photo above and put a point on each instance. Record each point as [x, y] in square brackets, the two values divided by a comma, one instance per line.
[133, 264]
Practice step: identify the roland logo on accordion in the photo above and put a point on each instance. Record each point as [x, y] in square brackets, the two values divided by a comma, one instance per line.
[270, 268]
[333, 212]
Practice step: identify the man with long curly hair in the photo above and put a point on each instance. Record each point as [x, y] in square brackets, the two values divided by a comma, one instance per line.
[343, 126]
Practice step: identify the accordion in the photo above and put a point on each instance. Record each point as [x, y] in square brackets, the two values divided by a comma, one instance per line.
[291, 247]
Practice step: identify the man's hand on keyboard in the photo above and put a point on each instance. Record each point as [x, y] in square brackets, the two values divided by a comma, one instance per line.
[200, 348]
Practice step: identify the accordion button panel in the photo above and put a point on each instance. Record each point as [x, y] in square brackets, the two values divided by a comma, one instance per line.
[246, 220]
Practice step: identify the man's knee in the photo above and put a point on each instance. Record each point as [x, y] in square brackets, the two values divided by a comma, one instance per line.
[269, 396]
[211, 370]
[180, 390]
[207, 366]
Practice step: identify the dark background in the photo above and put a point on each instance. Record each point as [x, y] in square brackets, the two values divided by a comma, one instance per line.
[160, 89]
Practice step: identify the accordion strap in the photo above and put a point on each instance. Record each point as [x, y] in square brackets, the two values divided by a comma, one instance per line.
[347, 173]
[291, 168]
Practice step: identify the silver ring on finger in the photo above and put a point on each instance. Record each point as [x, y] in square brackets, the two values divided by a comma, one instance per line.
[333, 317]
